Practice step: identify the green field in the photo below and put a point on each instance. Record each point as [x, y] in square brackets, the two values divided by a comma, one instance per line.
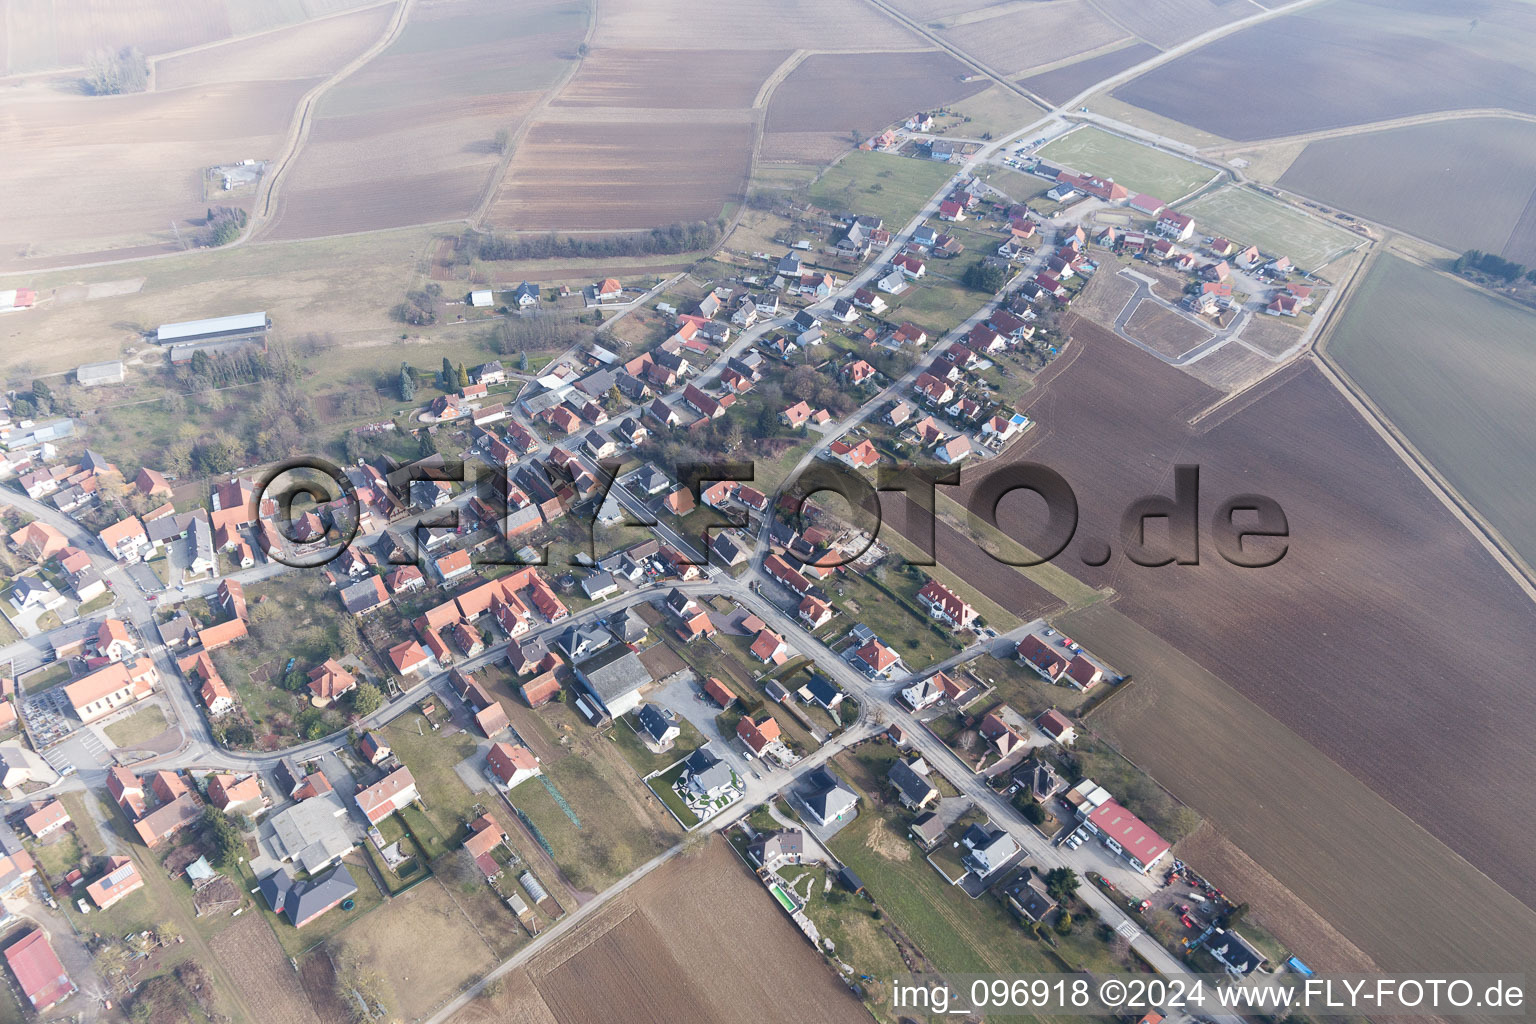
[881, 184]
[1139, 168]
[1454, 369]
[1249, 218]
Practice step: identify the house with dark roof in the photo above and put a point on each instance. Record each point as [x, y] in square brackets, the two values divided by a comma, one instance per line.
[828, 799]
[656, 728]
[303, 902]
[613, 679]
[708, 776]
[987, 849]
[772, 850]
[1234, 952]
[912, 784]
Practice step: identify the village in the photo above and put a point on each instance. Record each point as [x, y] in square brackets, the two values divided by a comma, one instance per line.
[316, 742]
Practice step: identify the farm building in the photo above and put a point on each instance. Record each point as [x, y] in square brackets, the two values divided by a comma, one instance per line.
[92, 374]
[38, 971]
[480, 297]
[219, 328]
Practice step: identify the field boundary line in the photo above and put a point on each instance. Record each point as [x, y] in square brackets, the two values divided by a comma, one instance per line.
[186, 51]
[1464, 510]
[1373, 127]
[298, 133]
[498, 177]
[1486, 534]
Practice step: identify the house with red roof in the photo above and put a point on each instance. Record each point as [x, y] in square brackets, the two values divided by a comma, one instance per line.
[796, 416]
[814, 612]
[950, 210]
[910, 266]
[879, 660]
[720, 693]
[860, 456]
[759, 733]
[122, 879]
[1082, 674]
[1004, 729]
[1173, 224]
[770, 648]
[511, 764]
[409, 658]
[541, 689]
[1042, 657]
[391, 793]
[945, 605]
[1055, 725]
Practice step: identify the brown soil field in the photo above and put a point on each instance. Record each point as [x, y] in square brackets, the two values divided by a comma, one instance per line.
[664, 952]
[410, 138]
[114, 173]
[1280, 911]
[307, 50]
[1164, 330]
[1061, 84]
[318, 977]
[622, 176]
[1384, 624]
[1021, 39]
[1165, 23]
[423, 165]
[670, 79]
[707, 24]
[251, 955]
[1105, 296]
[423, 948]
[1462, 183]
[1375, 875]
[848, 92]
[1230, 368]
[1346, 63]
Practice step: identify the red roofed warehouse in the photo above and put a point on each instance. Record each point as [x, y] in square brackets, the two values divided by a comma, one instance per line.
[38, 971]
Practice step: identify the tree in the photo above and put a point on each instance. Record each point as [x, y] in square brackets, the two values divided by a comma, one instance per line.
[462, 376]
[42, 394]
[522, 362]
[1064, 923]
[346, 632]
[1061, 882]
[223, 837]
[449, 376]
[110, 72]
[503, 141]
[985, 277]
[1033, 812]
[407, 383]
[366, 699]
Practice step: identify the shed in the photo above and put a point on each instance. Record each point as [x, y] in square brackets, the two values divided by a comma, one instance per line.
[480, 297]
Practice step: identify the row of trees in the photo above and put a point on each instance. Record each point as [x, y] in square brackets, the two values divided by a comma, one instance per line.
[666, 241]
[1492, 265]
